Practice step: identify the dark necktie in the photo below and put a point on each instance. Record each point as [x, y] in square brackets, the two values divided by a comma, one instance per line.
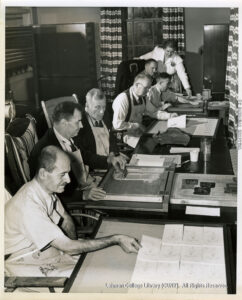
[54, 197]
[98, 124]
[73, 146]
[138, 101]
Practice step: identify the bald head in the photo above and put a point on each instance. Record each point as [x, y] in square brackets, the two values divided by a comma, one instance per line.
[53, 169]
[49, 156]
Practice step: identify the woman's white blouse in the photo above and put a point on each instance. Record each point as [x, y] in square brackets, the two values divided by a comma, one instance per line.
[173, 64]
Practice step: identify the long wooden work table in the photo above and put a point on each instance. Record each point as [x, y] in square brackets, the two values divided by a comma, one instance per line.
[111, 270]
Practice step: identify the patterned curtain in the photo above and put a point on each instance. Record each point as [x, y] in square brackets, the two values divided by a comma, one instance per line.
[231, 84]
[111, 48]
[173, 26]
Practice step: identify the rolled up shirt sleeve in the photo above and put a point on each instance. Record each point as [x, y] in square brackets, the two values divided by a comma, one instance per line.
[120, 111]
[181, 72]
[38, 226]
[147, 55]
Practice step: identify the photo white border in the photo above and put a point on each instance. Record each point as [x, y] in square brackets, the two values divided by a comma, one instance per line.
[103, 3]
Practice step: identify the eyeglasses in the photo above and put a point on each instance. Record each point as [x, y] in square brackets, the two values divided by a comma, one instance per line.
[144, 87]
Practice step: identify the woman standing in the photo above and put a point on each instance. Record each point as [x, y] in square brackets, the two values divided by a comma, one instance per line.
[171, 63]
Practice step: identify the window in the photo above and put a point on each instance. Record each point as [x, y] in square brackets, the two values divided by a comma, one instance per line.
[144, 30]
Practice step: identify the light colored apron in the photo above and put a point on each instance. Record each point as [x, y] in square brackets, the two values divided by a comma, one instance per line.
[80, 171]
[101, 136]
[137, 112]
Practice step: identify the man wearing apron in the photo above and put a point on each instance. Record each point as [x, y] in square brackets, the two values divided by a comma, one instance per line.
[66, 124]
[129, 108]
[130, 105]
[40, 236]
[97, 126]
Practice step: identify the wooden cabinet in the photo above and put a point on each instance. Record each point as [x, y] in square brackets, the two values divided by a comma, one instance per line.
[66, 59]
[215, 58]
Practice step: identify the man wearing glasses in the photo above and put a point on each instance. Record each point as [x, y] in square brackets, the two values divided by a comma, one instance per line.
[130, 105]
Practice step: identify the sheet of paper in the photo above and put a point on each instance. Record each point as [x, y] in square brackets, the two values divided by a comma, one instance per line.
[147, 160]
[182, 149]
[203, 211]
[193, 235]
[167, 271]
[150, 249]
[170, 253]
[213, 255]
[192, 254]
[179, 122]
[207, 128]
[132, 141]
[172, 234]
[213, 236]
[154, 160]
[192, 273]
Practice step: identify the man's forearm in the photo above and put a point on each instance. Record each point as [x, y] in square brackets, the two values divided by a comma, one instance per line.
[74, 247]
[68, 227]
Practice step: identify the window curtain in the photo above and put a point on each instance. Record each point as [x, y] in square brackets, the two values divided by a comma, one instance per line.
[111, 48]
[173, 26]
[231, 84]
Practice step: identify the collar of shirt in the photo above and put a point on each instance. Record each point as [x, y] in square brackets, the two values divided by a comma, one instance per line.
[136, 97]
[65, 143]
[46, 199]
[93, 120]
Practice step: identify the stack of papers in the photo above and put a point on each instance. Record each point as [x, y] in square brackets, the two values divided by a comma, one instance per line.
[185, 257]
[178, 122]
[146, 160]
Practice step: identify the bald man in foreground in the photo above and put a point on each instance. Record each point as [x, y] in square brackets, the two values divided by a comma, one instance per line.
[40, 236]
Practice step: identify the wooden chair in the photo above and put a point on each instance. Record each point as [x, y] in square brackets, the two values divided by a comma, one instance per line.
[20, 138]
[49, 106]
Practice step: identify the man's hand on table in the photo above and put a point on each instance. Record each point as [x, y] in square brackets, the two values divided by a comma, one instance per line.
[118, 162]
[94, 193]
[128, 244]
[189, 92]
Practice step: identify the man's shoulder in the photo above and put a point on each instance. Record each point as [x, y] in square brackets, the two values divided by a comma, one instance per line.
[47, 139]
[177, 59]
[121, 98]
[24, 196]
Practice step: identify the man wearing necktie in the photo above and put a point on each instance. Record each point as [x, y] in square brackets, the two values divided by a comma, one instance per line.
[40, 236]
[97, 126]
[130, 106]
[67, 122]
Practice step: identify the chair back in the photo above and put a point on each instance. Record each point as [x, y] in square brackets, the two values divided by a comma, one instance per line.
[20, 138]
[49, 106]
[127, 70]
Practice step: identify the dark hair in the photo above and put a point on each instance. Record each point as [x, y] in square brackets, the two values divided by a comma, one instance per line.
[65, 110]
[149, 61]
[47, 158]
[142, 76]
[162, 75]
[170, 43]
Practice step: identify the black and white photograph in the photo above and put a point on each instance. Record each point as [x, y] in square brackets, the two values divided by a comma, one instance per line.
[121, 139]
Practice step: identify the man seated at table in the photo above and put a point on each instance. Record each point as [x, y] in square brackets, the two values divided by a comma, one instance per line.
[129, 106]
[96, 134]
[151, 66]
[160, 98]
[40, 236]
[67, 122]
